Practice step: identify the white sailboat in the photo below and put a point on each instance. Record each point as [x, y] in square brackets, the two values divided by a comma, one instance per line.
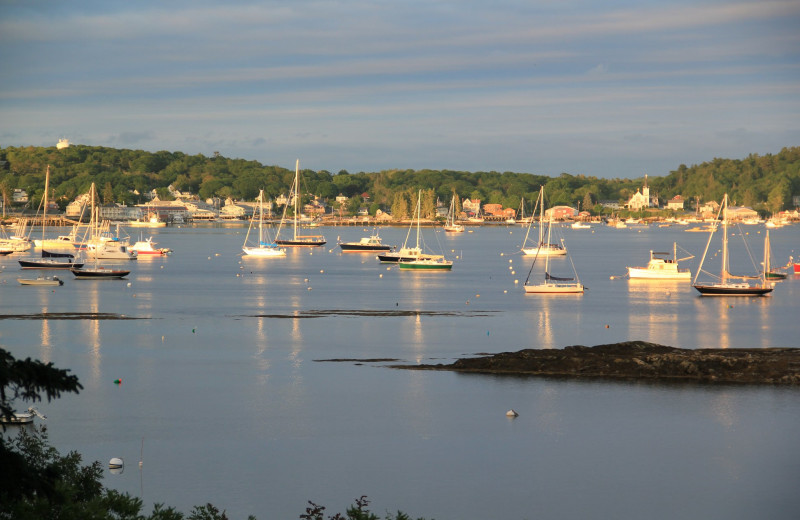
[297, 240]
[264, 249]
[553, 284]
[450, 225]
[724, 286]
[542, 247]
[422, 261]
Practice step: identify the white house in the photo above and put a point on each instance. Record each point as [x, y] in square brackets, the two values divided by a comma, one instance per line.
[675, 203]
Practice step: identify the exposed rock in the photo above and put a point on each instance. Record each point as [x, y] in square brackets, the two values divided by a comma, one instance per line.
[640, 360]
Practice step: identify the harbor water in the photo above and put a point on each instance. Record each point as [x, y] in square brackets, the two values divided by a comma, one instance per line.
[260, 384]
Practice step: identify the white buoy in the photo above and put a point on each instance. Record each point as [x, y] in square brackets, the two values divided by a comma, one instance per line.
[129, 284]
[512, 413]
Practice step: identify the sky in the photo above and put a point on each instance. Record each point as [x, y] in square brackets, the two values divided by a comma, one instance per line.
[607, 88]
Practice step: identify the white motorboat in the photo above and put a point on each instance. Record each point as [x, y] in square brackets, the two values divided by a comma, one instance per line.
[662, 267]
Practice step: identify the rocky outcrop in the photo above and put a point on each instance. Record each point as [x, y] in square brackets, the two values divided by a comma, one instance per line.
[640, 360]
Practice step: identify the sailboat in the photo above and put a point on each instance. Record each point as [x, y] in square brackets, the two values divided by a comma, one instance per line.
[297, 240]
[97, 272]
[769, 273]
[18, 241]
[49, 260]
[724, 287]
[553, 284]
[542, 248]
[450, 225]
[661, 267]
[422, 261]
[264, 249]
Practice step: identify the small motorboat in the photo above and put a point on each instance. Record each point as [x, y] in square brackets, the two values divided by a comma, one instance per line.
[41, 280]
[25, 417]
[365, 245]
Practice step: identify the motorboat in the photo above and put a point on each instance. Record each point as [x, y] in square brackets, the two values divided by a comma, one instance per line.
[25, 417]
[41, 280]
[368, 244]
[404, 254]
[147, 248]
[662, 267]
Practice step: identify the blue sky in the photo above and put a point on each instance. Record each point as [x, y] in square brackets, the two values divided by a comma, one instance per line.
[606, 88]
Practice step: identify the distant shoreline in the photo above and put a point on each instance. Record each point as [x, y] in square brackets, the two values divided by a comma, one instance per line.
[641, 361]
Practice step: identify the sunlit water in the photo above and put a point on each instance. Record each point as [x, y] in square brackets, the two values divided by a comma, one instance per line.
[229, 394]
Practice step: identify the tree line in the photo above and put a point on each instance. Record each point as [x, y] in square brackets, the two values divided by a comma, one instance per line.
[763, 182]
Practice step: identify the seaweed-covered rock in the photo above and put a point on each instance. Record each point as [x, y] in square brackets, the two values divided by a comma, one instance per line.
[640, 360]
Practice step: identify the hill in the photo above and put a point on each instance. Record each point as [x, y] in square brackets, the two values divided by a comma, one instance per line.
[765, 183]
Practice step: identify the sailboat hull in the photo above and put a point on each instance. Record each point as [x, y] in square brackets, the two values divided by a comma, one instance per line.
[264, 252]
[48, 264]
[554, 288]
[99, 273]
[302, 242]
[732, 290]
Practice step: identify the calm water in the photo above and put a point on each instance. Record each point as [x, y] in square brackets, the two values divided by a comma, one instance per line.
[224, 381]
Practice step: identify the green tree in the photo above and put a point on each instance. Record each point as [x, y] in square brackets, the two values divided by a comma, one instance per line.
[108, 193]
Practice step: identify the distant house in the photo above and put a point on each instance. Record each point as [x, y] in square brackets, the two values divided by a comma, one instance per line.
[610, 204]
[709, 209]
[561, 212]
[675, 203]
[494, 210]
[471, 206]
[117, 212]
[741, 213]
[341, 199]
[20, 196]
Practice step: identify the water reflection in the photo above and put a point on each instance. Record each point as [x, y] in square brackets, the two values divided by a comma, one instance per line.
[655, 308]
[45, 338]
[92, 329]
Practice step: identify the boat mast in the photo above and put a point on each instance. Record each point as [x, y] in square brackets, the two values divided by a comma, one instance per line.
[418, 212]
[547, 256]
[296, 194]
[725, 238]
[260, 217]
[44, 210]
[541, 217]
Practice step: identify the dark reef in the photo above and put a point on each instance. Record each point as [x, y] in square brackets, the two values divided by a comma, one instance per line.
[640, 360]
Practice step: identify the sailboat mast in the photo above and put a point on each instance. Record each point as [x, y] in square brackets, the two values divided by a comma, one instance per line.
[547, 256]
[725, 239]
[44, 210]
[260, 217]
[766, 255]
[419, 213]
[296, 193]
[541, 217]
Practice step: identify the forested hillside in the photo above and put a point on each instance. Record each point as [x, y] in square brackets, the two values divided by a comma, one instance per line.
[765, 182]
